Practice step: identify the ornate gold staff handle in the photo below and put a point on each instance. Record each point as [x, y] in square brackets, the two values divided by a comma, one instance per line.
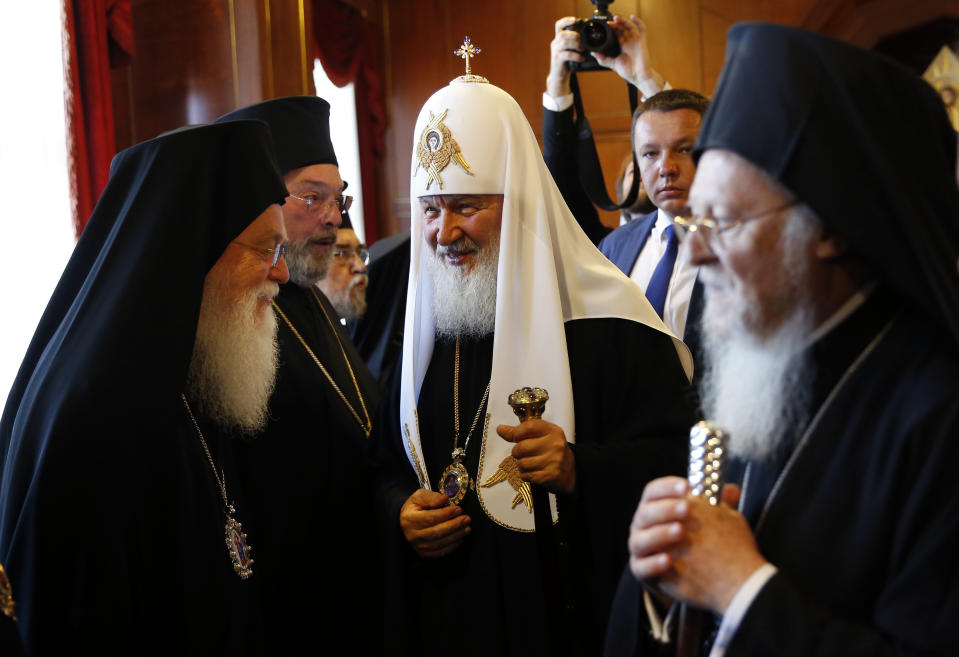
[530, 404]
[527, 404]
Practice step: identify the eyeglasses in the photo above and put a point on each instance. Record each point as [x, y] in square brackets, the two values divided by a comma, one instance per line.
[711, 230]
[273, 255]
[345, 254]
[315, 206]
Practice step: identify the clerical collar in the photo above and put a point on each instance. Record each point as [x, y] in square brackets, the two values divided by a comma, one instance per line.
[844, 311]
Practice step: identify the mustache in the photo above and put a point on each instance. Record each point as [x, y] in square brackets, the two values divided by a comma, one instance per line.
[462, 245]
[359, 278]
[268, 290]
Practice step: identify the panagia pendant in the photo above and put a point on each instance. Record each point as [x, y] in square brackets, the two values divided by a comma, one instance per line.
[240, 550]
[455, 480]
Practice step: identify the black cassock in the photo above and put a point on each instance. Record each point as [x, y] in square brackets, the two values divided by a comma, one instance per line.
[512, 593]
[861, 514]
[121, 543]
[378, 334]
[111, 525]
[313, 511]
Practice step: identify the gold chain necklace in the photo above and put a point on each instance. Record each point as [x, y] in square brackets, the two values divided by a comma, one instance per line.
[366, 425]
[455, 480]
[236, 543]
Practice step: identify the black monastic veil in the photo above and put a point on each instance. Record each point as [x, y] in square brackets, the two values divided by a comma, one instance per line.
[109, 521]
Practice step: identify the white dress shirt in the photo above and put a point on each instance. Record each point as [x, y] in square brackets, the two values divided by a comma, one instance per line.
[680, 283]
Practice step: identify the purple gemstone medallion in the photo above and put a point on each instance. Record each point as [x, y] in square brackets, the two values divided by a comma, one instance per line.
[455, 481]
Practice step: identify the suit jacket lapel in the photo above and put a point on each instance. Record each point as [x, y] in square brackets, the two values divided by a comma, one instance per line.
[626, 258]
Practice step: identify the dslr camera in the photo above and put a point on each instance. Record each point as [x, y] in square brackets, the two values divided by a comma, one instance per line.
[596, 36]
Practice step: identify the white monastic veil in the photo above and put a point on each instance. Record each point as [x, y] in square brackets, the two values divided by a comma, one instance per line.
[549, 273]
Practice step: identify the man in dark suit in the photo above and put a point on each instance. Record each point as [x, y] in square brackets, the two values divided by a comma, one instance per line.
[559, 132]
[664, 131]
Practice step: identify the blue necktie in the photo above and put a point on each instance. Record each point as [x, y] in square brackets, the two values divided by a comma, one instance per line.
[659, 283]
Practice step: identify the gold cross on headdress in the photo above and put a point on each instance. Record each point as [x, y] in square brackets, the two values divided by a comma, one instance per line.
[467, 50]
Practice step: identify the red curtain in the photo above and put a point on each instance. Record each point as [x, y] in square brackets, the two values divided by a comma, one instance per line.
[343, 41]
[97, 34]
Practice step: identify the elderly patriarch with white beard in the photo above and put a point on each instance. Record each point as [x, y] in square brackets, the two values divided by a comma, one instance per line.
[314, 447]
[507, 538]
[757, 380]
[465, 299]
[233, 368]
[123, 526]
[832, 316]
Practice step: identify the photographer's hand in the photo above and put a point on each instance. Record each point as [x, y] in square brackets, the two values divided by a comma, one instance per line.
[565, 47]
[633, 63]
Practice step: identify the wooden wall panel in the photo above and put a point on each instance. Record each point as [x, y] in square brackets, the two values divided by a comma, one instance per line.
[865, 22]
[718, 16]
[675, 40]
[249, 45]
[515, 39]
[197, 59]
[291, 59]
[183, 72]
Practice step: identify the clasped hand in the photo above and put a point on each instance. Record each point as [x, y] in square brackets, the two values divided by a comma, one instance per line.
[691, 551]
[432, 526]
[542, 454]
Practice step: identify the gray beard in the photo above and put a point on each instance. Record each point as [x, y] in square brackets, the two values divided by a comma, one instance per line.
[233, 368]
[350, 306]
[305, 269]
[464, 302]
[758, 388]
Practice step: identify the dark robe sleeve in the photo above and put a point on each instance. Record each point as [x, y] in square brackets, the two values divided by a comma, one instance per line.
[395, 482]
[378, 335]
[559, 151]
[122, 519]
[634, 408]
[915, 595]
[9, 638]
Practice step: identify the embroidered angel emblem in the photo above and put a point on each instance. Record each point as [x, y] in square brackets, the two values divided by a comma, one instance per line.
[436, 148]
[509, 470]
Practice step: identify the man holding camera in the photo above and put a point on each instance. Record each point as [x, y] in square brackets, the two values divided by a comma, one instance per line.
[664, 130]
[559, 143]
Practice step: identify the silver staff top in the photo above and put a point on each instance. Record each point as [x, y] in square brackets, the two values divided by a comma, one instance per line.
[707, 461]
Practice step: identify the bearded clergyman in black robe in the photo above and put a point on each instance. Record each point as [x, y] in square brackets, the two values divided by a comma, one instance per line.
[309, 466]
[122, 522]
[827, 237]
[507, 538]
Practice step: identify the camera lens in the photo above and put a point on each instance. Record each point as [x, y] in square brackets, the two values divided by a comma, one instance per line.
[594, 34]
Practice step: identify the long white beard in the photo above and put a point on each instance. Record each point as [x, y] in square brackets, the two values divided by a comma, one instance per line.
[758, 388]
[464, 302]
[233, 368]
